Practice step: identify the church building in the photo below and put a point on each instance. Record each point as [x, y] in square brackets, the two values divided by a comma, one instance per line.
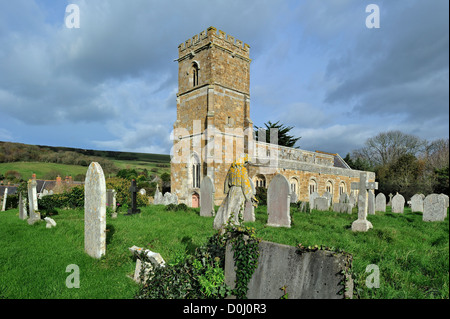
[213, 128]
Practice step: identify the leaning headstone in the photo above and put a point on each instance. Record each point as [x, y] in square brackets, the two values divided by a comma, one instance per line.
[5, 197]
[95, 211]
[22, 207]
[380, 202]
[207, 191]
[133, 190]
[417, 203]
[434, 208]
[278, 202]
[362, 224]
[398, 203]
[249, 209]
[146, 261]
[321, 203]
[50, 222]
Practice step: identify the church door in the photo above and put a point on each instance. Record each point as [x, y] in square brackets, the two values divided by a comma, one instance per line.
[195, 200]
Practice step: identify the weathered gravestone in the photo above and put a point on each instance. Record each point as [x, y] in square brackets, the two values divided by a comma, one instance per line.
[344, 205]
[312, 198]
[170, 198]
[321, 203]
[417, 203]
[278, 202]
[398, 203]
[146, 261]
[371, 202]
[158, 198]
[319, 274]
[294, 197]
[95, 211]
[50, 222]
[22, 207]
[329, 197]
[32, 203]
[207, 191]
[434, 208]
[111, 199]
[5, 197]
[446, 199]
[352, 199]
[362, 224]
[380, 202]
[249, 209]
[133, 190]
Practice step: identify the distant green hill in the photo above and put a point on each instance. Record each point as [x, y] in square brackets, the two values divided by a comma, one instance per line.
[49, 161]
[115, 155]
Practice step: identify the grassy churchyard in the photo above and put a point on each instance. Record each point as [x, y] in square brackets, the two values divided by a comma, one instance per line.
[412, 256]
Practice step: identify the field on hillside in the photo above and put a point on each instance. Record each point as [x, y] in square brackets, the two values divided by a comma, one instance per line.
[41, 169]
[44, 170]
[412, 255]
[153, 167]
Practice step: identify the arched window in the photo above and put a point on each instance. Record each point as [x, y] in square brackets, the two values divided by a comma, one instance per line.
[312, 186]
[195, 171]
[195, 70]
[294, 185]
[341, 188]
[259, 180]
[329, 187]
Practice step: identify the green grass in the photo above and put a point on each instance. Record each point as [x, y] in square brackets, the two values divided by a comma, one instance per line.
[26, 169]
[412, 255]
[33, 259]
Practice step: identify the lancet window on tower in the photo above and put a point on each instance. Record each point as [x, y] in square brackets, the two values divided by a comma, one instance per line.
[195, 70]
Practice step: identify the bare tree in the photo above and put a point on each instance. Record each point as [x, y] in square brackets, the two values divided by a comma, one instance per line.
[437, 154]
[387, 147]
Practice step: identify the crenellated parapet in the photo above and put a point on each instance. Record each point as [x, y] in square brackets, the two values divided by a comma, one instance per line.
[215, 37]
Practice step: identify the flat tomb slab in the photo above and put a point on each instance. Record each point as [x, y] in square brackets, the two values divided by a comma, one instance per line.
[306, 275]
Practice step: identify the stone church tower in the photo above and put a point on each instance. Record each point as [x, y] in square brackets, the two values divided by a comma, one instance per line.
[213, 112]
[213, 128]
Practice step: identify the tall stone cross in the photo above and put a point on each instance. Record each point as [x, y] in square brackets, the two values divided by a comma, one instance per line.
[133, 190]
[362, 224]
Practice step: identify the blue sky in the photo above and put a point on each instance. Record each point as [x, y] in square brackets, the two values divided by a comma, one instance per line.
[111, 84]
